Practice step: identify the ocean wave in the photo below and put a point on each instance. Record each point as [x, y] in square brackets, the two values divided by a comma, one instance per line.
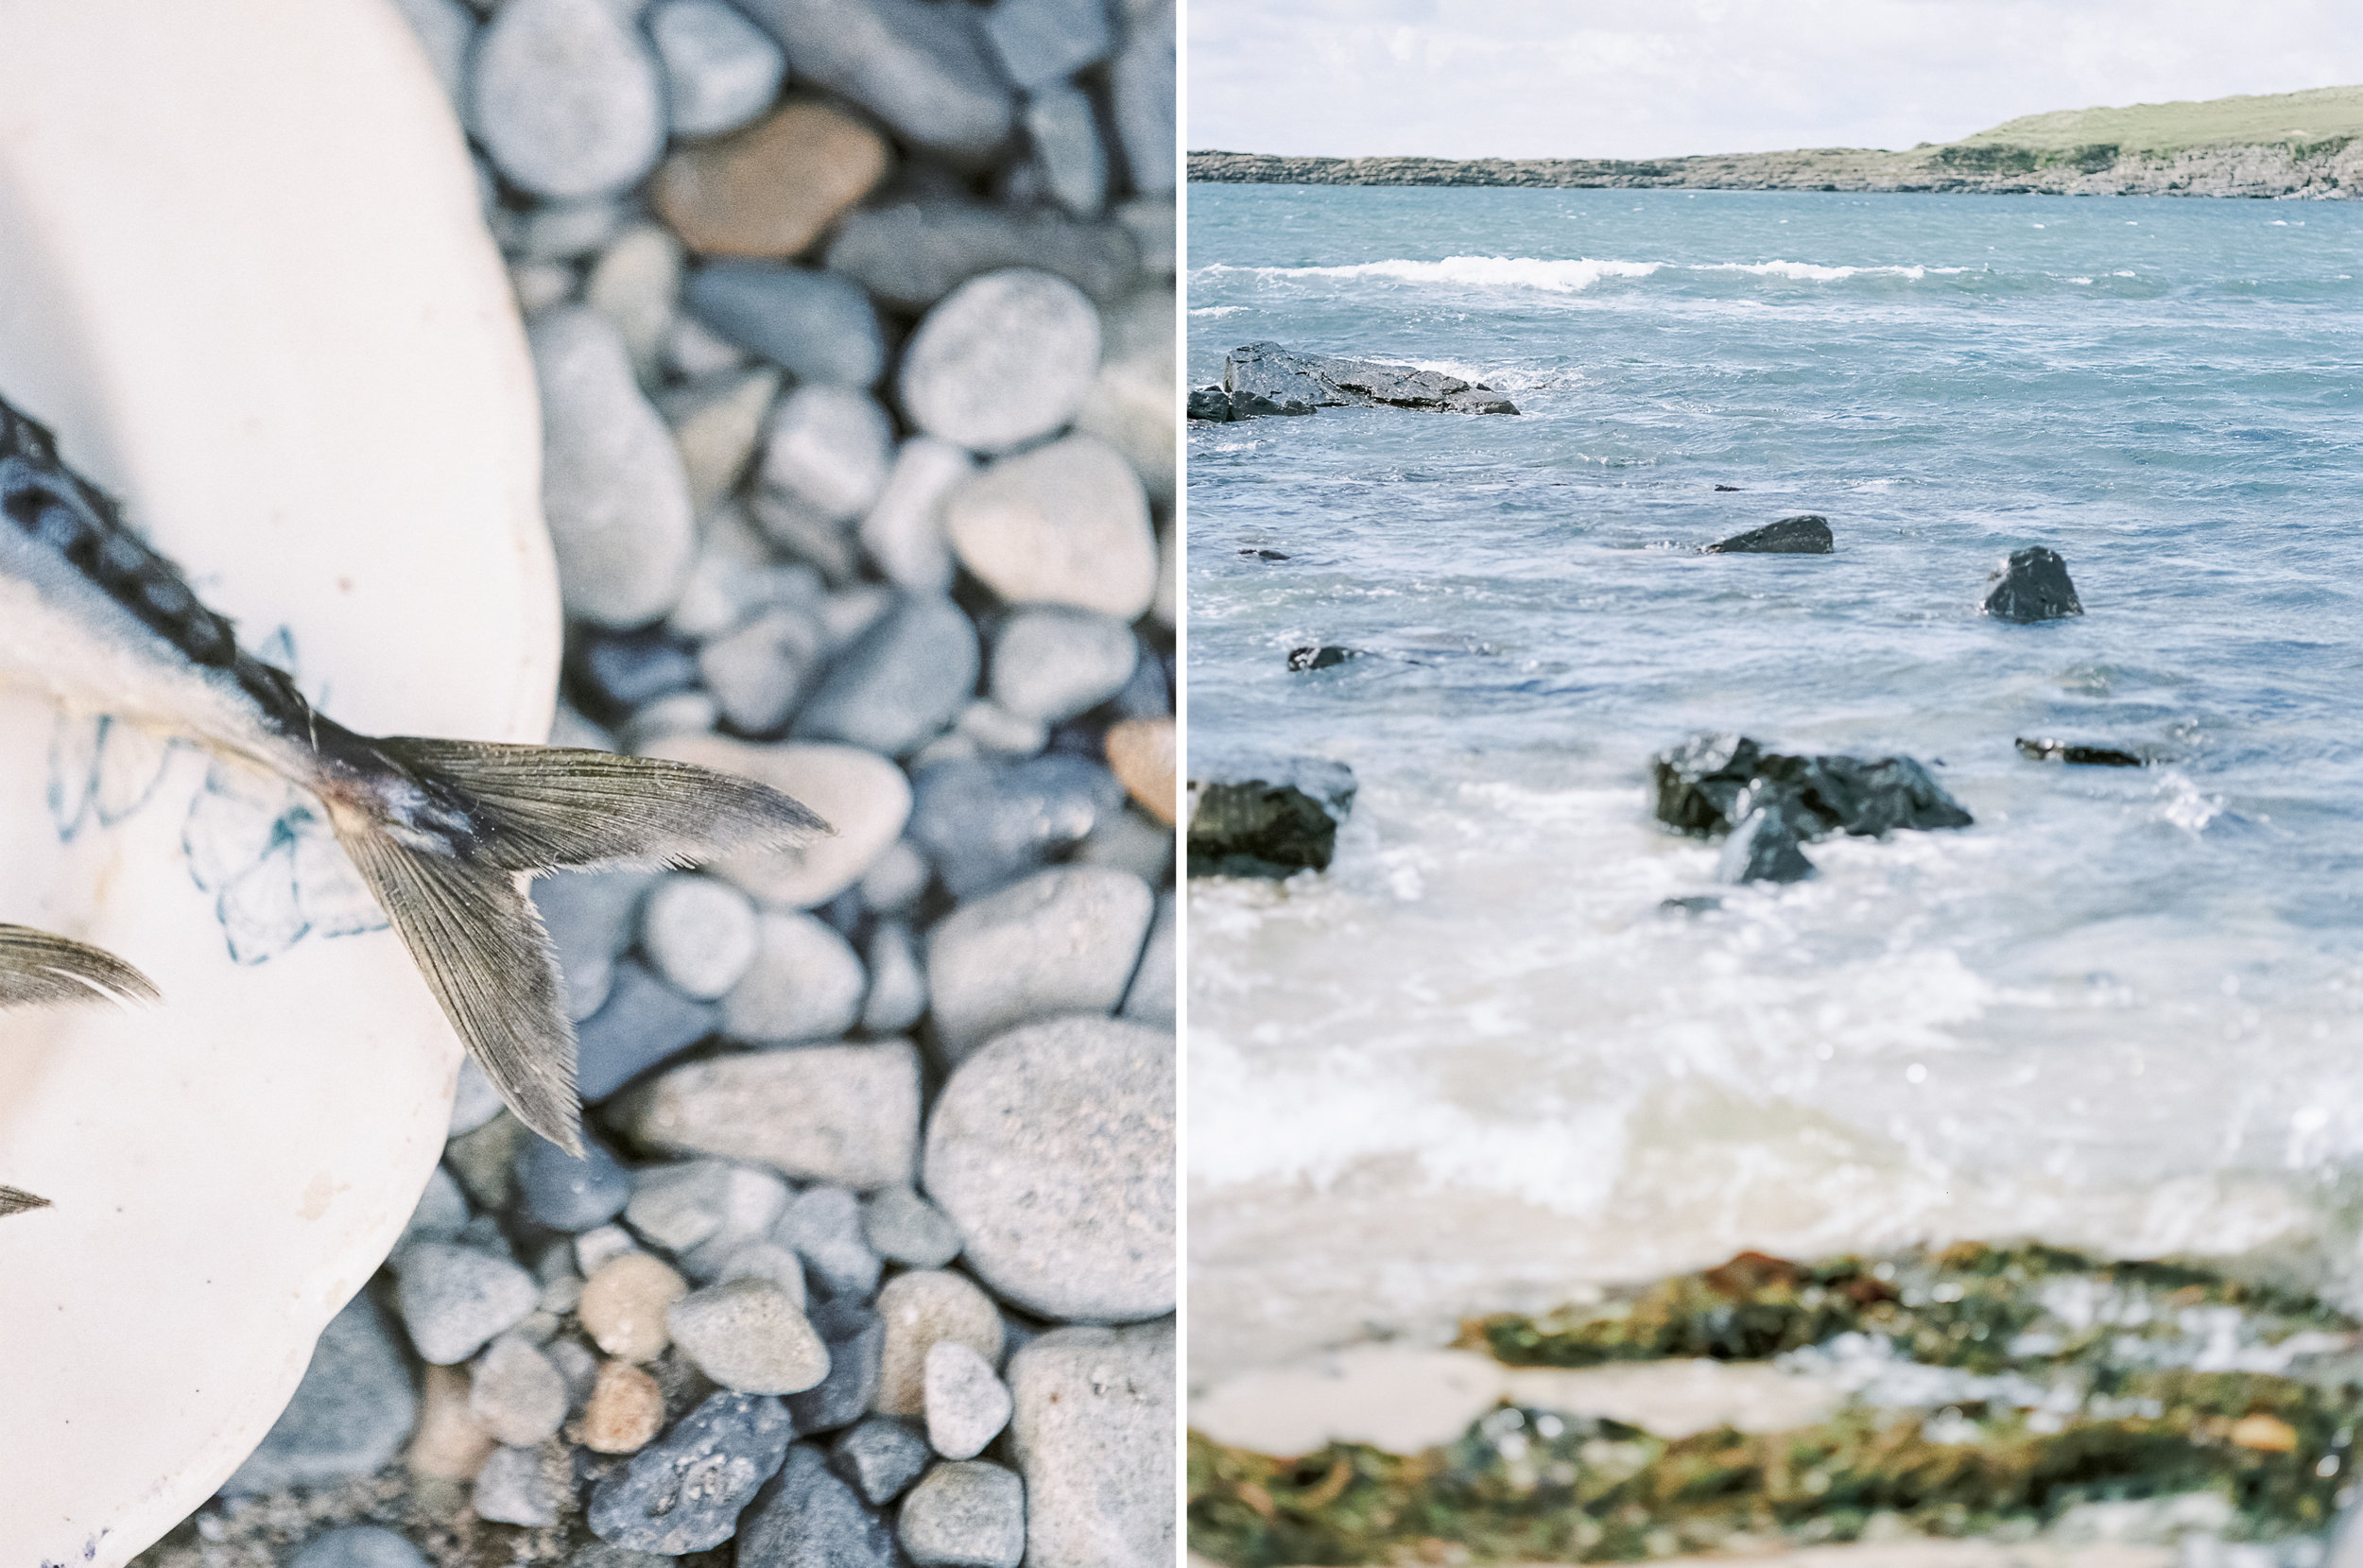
[1555, 277]
[1220, 310]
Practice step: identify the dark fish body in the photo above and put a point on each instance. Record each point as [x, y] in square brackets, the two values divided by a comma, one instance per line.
[444, 832]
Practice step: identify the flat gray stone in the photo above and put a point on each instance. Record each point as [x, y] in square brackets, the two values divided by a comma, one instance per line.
[685, 1491]
[352, 1413]
[1052, 661]
[454, 1299]
[965, 1515]
[920, 1310]
[824, 1225]
[847, 1114]
[807, 1518]
[721, 69]
[698, 933]
[1052, 1148]
[511, 1490]
[829, 448]
[920, 68]
[612, 485]
[819, 326]
[880, 1457]
[960, 381]
[903, 530]
[1039, 41]
[565, 1193]
[1069, 156]
[644, 1022]
[901, 682]
[967, 1406]
[805, 983]
[1061, 523]
[1062, 941]
[748, 1336]
[898, 987]
[358, 1546]
[1142, 85]
[905, 1227]
[911, 254]
[1092, 1433]
[567, 100]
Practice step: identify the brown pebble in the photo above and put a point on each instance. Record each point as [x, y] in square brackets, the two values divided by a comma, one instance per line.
[1140, 751]
[2265, 1434]
[450, 1444]
[623, 1306]
[774, 188]
[627, 1409]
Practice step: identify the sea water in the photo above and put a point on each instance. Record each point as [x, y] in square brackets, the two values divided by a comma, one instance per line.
[1481, 1064]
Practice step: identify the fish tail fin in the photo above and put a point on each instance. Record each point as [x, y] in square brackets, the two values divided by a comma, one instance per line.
[448, 846]
[16, 1200]
[41, 969]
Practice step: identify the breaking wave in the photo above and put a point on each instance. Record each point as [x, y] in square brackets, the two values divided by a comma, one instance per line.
[1573, 277]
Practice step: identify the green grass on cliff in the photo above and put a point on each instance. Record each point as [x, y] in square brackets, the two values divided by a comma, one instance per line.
[2302, 119]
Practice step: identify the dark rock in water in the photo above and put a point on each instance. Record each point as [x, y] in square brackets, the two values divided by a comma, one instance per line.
[2032, 585]
[1264, 554]
[1268, 371]
[1728, 489]
[686, 1491]
[1320, 657]
[1255, 405]
[2078, 756]
[1212, 404]
[1717, 784]
[1695, 904]
[1268, 817]
[1805, 534]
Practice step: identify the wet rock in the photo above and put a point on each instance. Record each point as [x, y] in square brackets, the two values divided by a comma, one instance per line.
[701, 934]
[1270, 371]
[911, 254]
[967, 1406]
[1069, 156]
[920, 1310]
[2031, 585]
[807, 1518]
[854, 1335]
[905, 1227]
[748, 1336]
[805, 983]
[1212, 404]
[612, 485]
[861, 794]
[824, 1227]
[566, 1194]
[1062, 941]
[358, 1546]
[567, 100]
[1255, 405]
[624, 1303]
[920, 68]
[1320, 656]
[624, 1412]
[898, 987]
[512, 1490]
[774, 188]
[960, 382]
[881, 1457]
[1093, 1435]
[1763, 846]
[454, 1299]
[842, 1114]
[685, 1492]
[1266, 816]
[2078, 756]
[642, 1023]
[720, 70]
[984, 823]
[351, 1414]
[1039, 41]
[902, 531]
[1052, 1150]
[970, 1514]
[1705, 785]
[1805, 534]
[1142, 86]
[817, 325]
[901, 682]
[1061, 523]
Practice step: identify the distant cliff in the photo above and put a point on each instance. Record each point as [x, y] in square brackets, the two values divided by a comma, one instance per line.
[2285, 144]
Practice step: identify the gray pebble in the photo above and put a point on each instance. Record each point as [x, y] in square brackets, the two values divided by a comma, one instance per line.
[748, 1336]
[967, 1406]
[970, 1514]
[635, 284]
[849, 614]
[1130, 840]
[1150, 219]
[685, 1491]
[516, 1393]
[698, 933]
[901, 682]
[905, 1227]
[567, 100]
[454, 1299]
[566, 231]
[1143, 81]
[961, 382]
[1092, 1433]
[897, 988]
[895, 879]
[757, 672]
[819, 326]
[807, 1518]
[612, 485]
[1052, 662]
[578, 1365]
[903, 530]
[442, 1211]
[805, 983]
[720, 70]
[358, 1546]
[841, 1114]
[987, 727]
[824, 1226]
[693, 350]
[829, 448]
[922, 1309]
[984, 822]
[644, 1022]
[1062, 941]
[1038, 41]
[735, 578]
[474, 1100]
[1061, 523]
[920, 68]
[1069, 156]
[1130, 403]
[591, 917]
[351, 1414]
[602, 1245]
[511, 1490]
[1150, 1000]
[716, 421]
[677, 1206]
[568, 1193]
[880, 1457]
[856, 1338]
[681, 712]
[767, 1260]
[484, 1161]
[911, 254]
[1052, 1148]
[445, 29]
[752, 1202]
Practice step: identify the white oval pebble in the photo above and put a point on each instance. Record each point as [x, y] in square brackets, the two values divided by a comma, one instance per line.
[805, 983]
[1064, 524]
[1004, 359]
[720, 68]
[567, 100]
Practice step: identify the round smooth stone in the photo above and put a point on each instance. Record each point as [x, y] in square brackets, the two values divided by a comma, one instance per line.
[568, 101]
[1064, 524]
[1053, 661]
[700, 934]
[1004, 359]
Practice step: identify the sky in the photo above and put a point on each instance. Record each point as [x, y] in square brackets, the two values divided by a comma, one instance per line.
[1643, 78]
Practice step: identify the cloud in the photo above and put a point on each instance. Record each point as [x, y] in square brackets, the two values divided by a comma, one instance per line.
[1625, 79]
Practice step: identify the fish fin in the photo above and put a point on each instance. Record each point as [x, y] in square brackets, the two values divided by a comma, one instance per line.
[16, 1200]
[41, 969]
[480, 943]
[544, 808]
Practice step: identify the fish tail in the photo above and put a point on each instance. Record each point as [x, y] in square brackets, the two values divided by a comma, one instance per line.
[41, 969]
[447, 836]
[16, 1200]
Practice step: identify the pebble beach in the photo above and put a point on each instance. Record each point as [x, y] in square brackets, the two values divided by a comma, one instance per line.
[854, 327]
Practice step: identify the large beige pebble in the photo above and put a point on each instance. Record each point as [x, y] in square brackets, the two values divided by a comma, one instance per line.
[860, 794]
[923, 1309]
[771, 189]
[1064, 524]
[847, 1114]
[450, 1443]
[624, 1306]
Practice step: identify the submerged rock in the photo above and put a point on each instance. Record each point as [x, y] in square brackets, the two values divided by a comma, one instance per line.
[1806, 534]
[2031, 585]
[1769, 803]
[1320, 656]
[1269, 371]
[2078, 756]
[1268, 817]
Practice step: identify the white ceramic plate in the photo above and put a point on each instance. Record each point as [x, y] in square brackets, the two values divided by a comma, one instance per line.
[242, 274]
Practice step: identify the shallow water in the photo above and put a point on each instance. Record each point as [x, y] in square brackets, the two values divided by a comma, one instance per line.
[1477, 1064]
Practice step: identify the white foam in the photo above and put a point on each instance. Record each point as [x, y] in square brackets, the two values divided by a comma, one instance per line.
[1220, 310]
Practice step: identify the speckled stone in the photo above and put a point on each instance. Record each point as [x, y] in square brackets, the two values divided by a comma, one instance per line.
[515, 1393]
[568, 101]
[721, 69]
[685, 1492]
[901, 682]
[969, 1514]
[842, 1114]
[805, 983]
[1092, 1433]
[880, 1457]
[774, 188]
[907, 1229]
[1062, 941]
[454, 1299]
[747, 1335]
[624, 1412]
[808, 1517]
[512, 1490]
[700, 934]
[967, 1406]
[922, 1309]
[1051, 662]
